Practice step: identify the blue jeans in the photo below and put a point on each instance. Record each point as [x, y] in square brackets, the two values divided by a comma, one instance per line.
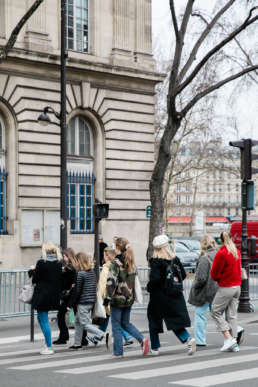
[181, 334]
[200, 323]
[104, 326]
[120, 318]
[45, 327]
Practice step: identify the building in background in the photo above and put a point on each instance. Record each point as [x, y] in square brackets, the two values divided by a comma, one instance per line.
[110, 114]
[213, 189]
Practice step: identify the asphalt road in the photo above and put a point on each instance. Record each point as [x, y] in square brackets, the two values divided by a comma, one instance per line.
[21, 365]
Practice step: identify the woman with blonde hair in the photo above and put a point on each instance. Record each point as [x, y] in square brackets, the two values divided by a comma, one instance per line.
[47, 277]
[85, 299]
[203, 289]
[226, 271]
[162, 305]
[120, 294]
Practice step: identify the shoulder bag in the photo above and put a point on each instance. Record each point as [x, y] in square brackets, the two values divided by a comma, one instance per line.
[172, 286]
[26, 293]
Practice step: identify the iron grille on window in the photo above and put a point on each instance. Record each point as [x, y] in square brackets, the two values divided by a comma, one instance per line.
[3, 217]
[80, 200]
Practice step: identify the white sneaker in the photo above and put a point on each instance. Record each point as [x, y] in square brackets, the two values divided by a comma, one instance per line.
[47, 351]
[235, 348]
[228, 344]
[154, 352]
[191, 346]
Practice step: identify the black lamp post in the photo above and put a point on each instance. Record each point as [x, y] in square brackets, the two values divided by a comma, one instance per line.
[44, 120]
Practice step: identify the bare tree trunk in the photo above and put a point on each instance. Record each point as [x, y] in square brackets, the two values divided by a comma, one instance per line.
[12, 40]
[157, 179]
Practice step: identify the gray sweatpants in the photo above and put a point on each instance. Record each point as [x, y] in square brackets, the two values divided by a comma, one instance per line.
[83, 321]
[226, 300]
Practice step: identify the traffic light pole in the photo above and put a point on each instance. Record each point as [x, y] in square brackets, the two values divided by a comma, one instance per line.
[244, 305]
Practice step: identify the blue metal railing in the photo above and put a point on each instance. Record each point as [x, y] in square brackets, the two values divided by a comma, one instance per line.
[3, 217]
[80, 200]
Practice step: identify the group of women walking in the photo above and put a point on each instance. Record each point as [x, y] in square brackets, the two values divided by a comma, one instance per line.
[68, 281]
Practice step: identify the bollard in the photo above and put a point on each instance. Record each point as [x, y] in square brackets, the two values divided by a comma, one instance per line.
[31, 324]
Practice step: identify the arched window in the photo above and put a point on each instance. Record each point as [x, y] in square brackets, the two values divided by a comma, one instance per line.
[3, 180]
[79, 138]
[80, 178]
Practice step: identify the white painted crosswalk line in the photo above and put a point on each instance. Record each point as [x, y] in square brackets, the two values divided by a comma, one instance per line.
[123, 363]
[85, 359]
[38, 357]
[215, 380]
[196, 366]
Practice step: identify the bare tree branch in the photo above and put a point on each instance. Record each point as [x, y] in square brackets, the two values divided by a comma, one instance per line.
[216, 86]
[230, 37]
[203, 36]
[179, 44]
[12, 40]
[174, 19]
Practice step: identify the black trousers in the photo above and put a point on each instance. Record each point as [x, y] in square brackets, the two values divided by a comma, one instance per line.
[63, 330]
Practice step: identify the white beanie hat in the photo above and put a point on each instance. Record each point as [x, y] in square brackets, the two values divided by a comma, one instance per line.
[160, 241]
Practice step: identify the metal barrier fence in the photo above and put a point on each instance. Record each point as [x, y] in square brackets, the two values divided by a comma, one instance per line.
[11, 282]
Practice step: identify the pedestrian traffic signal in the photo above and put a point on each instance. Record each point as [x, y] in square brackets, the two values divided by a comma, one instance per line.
[148, 211]
[247, 157]
[101, 210]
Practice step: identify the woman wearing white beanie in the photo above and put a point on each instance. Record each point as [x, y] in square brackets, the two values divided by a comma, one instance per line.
[167, 304]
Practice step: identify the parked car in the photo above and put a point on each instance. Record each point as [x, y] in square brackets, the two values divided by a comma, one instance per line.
[192, 244]
[187, 257]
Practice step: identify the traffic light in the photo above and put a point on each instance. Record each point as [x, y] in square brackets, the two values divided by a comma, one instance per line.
[101, 210]
[247, 157]
[148, 211]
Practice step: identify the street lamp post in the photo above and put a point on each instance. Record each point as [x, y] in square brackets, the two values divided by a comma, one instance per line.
[63, 228]
[44, 120]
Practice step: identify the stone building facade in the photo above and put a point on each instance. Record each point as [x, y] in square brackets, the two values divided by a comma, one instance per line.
[213, 190]
[111, 82]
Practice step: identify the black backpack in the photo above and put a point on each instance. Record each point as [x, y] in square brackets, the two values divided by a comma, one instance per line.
[172, 287]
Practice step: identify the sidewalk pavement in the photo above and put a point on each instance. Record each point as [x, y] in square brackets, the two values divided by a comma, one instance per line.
[17, 329]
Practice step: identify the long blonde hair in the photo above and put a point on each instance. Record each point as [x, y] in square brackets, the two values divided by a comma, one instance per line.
[207, 242]
[124, 247]
[165, 252]
[70, 254]
[229, 244]
[110, 253]
[84, 260]
[50, 248]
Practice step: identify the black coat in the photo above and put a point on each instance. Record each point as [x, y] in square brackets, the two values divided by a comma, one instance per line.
[69, 283]
[162, 307]
[47, 278]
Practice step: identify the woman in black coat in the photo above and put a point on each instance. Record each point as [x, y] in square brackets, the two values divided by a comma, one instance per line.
[68, 294]
[47, 277]
[163, 307]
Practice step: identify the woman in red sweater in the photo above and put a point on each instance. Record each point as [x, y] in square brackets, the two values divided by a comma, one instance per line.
[226, 270]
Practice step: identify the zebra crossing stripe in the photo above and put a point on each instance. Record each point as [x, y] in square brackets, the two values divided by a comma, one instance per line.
[123, 363]
[85, 359]
[38, 357]
[215, 380]
[183, 368]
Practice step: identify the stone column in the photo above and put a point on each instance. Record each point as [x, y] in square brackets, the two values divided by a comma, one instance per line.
[2, 19]
[36, 36]
[143, 41]
[123, 20]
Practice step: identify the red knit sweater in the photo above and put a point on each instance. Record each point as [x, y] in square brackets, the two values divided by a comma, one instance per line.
[226, 269]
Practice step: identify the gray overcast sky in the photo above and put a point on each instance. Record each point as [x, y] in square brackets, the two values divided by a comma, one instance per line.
[245, 108]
